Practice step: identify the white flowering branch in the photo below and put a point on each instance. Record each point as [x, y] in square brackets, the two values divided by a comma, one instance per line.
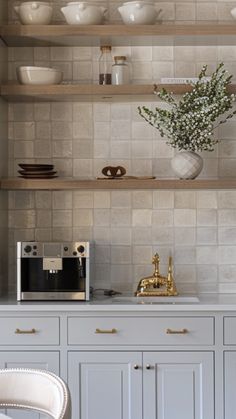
[190, 123]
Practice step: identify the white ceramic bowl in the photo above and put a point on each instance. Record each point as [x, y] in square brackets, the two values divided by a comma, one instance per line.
[83, 13]
[34, 13]
[233, 12]
[38, 75]
[138, 13]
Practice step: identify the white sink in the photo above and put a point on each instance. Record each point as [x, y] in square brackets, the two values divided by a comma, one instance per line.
[179, 299]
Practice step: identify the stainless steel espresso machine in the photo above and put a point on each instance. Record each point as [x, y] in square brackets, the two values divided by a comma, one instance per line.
[53, 271]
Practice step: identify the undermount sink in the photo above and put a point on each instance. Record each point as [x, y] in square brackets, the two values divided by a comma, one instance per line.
[181, 299]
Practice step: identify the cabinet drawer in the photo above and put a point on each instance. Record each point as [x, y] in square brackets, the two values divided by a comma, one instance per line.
[229, 330]
[29, 331]
[137, 330]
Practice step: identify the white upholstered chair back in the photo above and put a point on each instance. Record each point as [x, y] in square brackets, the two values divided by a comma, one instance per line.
[34, 390]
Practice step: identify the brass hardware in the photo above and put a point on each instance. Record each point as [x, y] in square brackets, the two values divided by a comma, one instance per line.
[176, 332]
[136, 367]
[25, 332]
[157, 284]
[148, 367]
[110, 331]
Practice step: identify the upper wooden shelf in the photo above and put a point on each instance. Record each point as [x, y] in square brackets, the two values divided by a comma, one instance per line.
[89, 92]
[70, 184]
[116, 34]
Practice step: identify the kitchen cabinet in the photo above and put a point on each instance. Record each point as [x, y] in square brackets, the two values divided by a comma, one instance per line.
[44, 360]
[230, 384]
[105, 385]
[165, 385]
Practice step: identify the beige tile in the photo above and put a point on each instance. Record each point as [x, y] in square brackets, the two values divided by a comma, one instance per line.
[82, 168]
[141, 150]
[120, 199]
[61, 53]
[140, 167]
[82, 199]
[163, 53]
[185, 11]
[185, 236]
[206, 217]
[42, 53]
[23, 200]
[24, 149]
[61, 234]
[102, 199]
[206, 199]
[207, 274]
[42, 111]
[162, 69]
[43, 130]
[22, 112]
[62, 218]
[167, 11]
[141, 53]
[101, 112]
[61, 111]
[162, 218]
[120, 255]
[142, 130]
[142, 70]
[141, 217]
[184, 53]
[163, 199]
[101, 217]
[142, 199]
[63, 167]
[120, 236]
[62, 200]
[162, 150]
[43, 234]
[184, 69]
[102, 130]
[42, 149]
[21, 219]
[102, 235]
[24, 130]
[120, 149]
[227, 217]
[227, 235]
[43, 199]
[82, 70]
[206, 11]
[82, 53]
[101, 149]
[227, 168]
[227, 255]
[184, 217]
[61, 130]
[82, 217]
[162, 235]
[185, 274]
[206, 235]
[185, 199]
[82, 112]
[227, 273]
[142, 254]
[227, 199]
[62, 149]
[120, 111]
[120, 130]
[185, 255]
[141, 235]
[120, 217]
[82, 234]
[43, 218]
[82, 130]
[206, 255]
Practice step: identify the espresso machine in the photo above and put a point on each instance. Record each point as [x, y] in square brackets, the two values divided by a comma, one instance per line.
[54, 271]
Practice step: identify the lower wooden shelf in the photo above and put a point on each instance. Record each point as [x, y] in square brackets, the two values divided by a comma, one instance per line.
[70, 184]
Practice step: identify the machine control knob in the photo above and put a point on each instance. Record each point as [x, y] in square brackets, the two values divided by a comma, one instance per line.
[74, 253]
[27, 249]
[34, 253]
[66, 248]
[81, 249]
[35, 247]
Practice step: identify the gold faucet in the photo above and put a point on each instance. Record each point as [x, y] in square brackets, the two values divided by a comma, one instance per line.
[157, 285]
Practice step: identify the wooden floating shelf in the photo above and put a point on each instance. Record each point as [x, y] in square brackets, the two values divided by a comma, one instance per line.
[72, 184]
[17, 35]
[27, 93]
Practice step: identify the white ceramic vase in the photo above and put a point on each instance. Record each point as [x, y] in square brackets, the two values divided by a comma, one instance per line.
[187, 164]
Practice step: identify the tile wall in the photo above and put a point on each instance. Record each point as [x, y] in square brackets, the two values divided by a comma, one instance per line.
[198, 228]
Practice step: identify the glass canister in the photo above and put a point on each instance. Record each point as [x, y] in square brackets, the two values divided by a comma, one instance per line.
[120, 71]
[105, 63]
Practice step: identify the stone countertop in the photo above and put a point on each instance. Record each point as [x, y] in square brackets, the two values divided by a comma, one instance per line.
[207, 302]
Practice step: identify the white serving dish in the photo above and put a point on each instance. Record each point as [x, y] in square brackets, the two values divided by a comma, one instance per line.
[83, 13]
[233, 12]
[38, 75]
[138, 13]
[34, 13]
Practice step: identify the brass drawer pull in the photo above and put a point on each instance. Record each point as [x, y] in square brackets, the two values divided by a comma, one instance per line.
[25, 332]
[110, 331]
[176, 332]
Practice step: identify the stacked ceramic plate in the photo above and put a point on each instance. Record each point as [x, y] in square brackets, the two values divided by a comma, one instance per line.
[37, 171]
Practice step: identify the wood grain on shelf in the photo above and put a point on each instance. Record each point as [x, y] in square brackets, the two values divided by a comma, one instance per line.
[67, 92]
[117, 30]
[70, 184]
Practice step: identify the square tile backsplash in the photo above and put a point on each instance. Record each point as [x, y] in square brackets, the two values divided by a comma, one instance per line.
[197, 227]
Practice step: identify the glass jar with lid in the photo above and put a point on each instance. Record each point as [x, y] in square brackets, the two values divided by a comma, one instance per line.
[105, 64]
[120, 71]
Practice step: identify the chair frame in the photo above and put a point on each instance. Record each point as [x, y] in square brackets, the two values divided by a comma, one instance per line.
[62, 387]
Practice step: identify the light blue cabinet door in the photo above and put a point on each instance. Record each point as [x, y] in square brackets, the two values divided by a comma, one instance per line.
[105, 385]
[44, 360]
[178, 385]
[230, 384]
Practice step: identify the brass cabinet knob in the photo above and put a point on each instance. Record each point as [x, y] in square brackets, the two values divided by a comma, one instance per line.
[148, 367]
[177, 332]
[136, 367]
[25, 332]
[104, 331]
